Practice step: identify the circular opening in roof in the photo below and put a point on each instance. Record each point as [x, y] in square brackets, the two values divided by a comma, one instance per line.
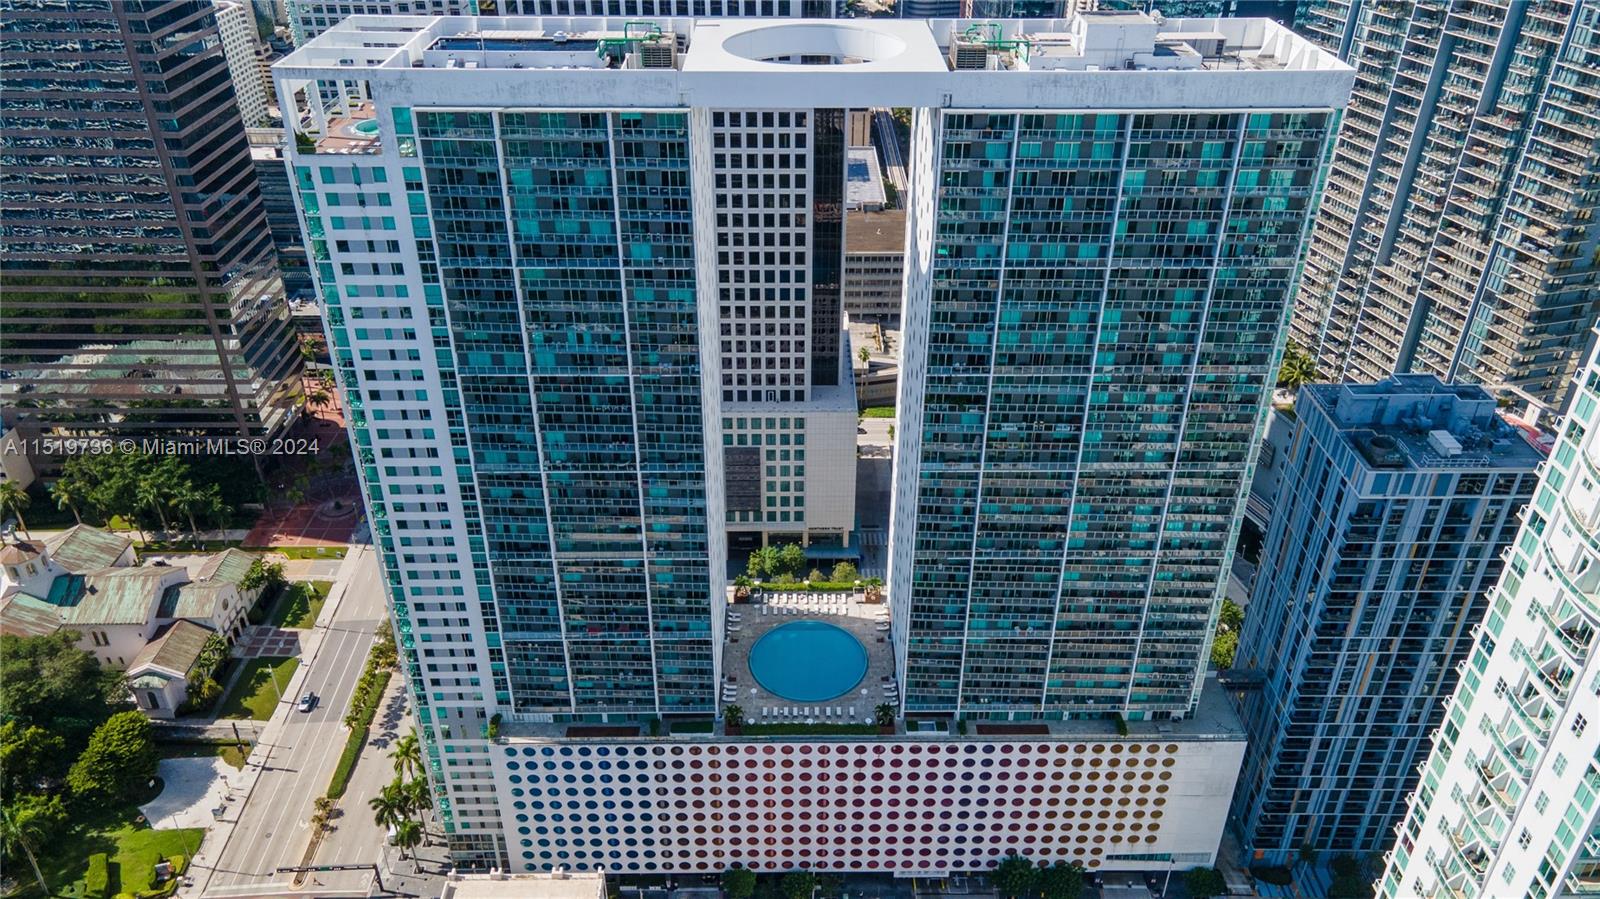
[808, 661]
[814, 45]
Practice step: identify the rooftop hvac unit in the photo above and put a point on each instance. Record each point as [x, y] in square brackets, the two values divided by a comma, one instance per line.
[968, 56]
[658, 54]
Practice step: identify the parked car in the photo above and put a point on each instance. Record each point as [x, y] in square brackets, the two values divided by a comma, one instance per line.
[307, 702]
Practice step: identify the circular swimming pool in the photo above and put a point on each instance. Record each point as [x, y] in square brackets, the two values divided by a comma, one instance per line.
[808, 661]
[368, 126]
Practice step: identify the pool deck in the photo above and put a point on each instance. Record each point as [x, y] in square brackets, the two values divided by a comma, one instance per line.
[343, 138]
[749, 622]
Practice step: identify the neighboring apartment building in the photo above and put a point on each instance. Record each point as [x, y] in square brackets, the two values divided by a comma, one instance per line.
[1396, 502]
[1509, 799]
[1457, 236]
[277, 201]
[236, 24]
[527, 308]
[141, 292]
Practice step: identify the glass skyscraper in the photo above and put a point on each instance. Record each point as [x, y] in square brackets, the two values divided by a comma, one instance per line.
[566, 332]
[142, 295]
[1085, 377]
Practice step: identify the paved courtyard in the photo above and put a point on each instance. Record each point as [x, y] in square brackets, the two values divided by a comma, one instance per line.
[191, 789]
[265, 641]
[867, 622]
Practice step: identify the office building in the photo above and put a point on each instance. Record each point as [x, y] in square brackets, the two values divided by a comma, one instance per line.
[530, 311]
[874, 264]
[277, 202]
[236, 26]
[1395, 504]
[1456, 236]
[1509, 799]
[142, 294]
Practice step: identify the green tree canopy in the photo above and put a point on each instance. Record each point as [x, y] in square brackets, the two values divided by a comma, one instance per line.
[1203, 883]
[120, 758]
[797, 885]
[38, 821]
[1061, 881]
[51, 683]
[1298, 368]
[739, 883]
[29, 754]
[1016, 876]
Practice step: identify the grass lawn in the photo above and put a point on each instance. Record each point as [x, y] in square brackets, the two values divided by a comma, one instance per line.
[232, 753]
[305, 552]
[253, 695]
[139, 848]
[300, 604]
[878, 412]
[132, 849]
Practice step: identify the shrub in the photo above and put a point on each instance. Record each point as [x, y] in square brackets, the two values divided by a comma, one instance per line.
[98, 879]
[347, 762]
[201, 696]
[121, 756]
[1204, 882]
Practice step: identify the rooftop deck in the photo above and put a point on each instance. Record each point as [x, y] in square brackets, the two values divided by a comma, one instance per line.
[678, 62]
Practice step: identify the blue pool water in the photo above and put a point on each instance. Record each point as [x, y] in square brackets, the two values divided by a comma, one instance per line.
[808, 661]
[370, 126]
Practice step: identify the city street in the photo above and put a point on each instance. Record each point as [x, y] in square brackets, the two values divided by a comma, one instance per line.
[298, 751]
[894, 162]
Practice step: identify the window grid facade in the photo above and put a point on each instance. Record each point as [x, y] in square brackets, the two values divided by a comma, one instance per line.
[1508, 801]
[1456, 237]
[1104, 318]
[1372, 573]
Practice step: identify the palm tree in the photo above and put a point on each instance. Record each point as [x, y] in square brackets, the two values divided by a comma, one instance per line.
[865, 355]
[884, 714]
[407, 834]
[66, 497]
[14, 499]
[151, 494]
[1298, 368]
[419, 799]
[407, 755]
[389, 806]
[189, 499]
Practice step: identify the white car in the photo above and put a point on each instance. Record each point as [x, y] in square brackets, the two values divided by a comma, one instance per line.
[307, 702]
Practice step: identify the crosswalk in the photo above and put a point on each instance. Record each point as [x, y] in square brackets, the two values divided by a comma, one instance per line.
[872, 536]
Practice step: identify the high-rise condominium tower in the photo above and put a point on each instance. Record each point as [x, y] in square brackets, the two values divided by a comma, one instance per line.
[141, 292]
[1457, 236]
[236, 26]
[1081, 391]
[1395, 504]
[540, 314]
[1509, 799]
